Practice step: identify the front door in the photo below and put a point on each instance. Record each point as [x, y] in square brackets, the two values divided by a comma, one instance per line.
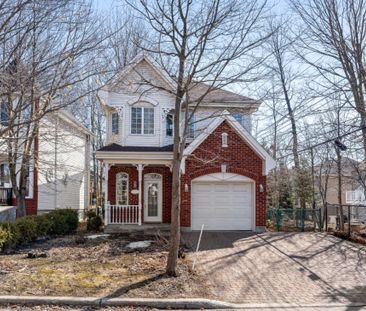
[153, 198]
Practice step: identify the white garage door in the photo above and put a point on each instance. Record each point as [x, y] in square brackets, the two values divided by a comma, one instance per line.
[222, 205]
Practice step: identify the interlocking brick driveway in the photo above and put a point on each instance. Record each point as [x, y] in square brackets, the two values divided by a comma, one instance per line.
[282, 267]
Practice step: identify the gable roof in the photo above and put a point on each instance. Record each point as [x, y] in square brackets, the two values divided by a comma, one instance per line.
[139, 58]
[197, 89]
[270, 163]
[218, 95]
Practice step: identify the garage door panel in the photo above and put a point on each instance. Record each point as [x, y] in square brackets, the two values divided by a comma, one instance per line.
[222, 206]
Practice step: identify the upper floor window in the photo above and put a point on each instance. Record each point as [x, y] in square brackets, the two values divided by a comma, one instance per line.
[238, 117]
[169, 125]
[142, 120]
[4, 113]
[191, 126]
[115, 123]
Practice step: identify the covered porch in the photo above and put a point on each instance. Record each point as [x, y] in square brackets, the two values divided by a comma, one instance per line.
[137, 190]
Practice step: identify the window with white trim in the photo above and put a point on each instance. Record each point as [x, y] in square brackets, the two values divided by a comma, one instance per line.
[115, 123]
[224, 140]
[142, 120]
[191, 126]
[4, 174]
[238, 117]
[121, 189]
[169, 125]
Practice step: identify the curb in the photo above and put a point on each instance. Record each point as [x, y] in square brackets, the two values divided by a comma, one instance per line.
[179, 303]
[162, 303]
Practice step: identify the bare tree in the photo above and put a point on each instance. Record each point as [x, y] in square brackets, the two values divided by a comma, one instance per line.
[212, 42]
[335, 40]
[51, 63]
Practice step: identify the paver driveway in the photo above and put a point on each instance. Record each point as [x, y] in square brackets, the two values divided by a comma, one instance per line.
[282, 267]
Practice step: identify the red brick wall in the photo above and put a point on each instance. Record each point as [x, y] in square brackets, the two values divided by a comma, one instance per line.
[31, 205]
[239, 158]
[133, 177]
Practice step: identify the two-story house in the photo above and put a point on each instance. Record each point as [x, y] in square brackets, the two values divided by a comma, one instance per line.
[59, 171]
[223, 182]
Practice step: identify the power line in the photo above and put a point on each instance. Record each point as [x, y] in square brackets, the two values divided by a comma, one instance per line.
[325, 142]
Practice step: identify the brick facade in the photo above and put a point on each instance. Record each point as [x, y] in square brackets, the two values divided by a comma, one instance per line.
[239, 159]
[133, 184]
[31, 205]
[206, 159]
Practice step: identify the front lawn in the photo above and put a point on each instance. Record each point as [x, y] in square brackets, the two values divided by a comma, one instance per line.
[97, 267]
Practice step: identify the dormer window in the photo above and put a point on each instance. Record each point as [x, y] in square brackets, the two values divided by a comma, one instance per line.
[115, 123]
[142, 120]
[224, 140]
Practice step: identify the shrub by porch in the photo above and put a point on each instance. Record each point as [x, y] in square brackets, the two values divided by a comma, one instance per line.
[28, 229]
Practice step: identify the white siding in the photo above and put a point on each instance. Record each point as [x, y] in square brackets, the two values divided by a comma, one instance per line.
[128, 98]
[63, 166]
[128, 94]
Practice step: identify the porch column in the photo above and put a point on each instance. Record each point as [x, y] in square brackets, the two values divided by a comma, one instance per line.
[106, 203]
[140, 167]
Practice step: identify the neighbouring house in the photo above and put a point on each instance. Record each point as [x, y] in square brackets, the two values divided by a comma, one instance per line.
[352, 189]
[59, 170]
[223, 183]
[350, 173]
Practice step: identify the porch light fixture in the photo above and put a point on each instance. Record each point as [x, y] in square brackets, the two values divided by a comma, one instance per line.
[134, 184]
[261, 188]
[186, 189]
[223, 168]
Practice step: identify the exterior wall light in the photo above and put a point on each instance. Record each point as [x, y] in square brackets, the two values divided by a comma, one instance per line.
[223, 168]
[186, 188]
[261, 188]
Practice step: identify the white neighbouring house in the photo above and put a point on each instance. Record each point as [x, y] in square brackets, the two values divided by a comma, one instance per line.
[59, 173]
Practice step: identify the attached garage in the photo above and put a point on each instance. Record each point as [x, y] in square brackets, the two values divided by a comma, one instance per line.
[223, 201]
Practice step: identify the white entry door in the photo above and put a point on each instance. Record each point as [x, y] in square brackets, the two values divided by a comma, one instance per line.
[153, 198]
[222, 205]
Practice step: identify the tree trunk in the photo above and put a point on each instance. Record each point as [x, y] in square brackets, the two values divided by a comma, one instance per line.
[21, 210]
[339, 169]
[175, 220]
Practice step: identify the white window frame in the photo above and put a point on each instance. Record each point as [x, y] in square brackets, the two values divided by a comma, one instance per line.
[114, 129]
[236, 115]
[124, 178]
[191, 126]
[142, 132]
[166, 124]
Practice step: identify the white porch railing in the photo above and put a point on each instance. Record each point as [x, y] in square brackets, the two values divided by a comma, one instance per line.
[122, 214]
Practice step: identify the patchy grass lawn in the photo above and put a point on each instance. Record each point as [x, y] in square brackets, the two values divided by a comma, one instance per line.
[98, 267]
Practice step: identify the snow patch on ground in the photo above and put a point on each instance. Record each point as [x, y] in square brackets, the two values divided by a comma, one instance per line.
[95, 236]
[139, 244]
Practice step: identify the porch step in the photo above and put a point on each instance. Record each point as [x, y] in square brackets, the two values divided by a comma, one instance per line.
[146, 229]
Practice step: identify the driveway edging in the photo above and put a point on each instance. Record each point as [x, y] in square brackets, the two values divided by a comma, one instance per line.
[160, 303]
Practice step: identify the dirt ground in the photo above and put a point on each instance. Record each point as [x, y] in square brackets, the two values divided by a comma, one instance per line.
[75, 266]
